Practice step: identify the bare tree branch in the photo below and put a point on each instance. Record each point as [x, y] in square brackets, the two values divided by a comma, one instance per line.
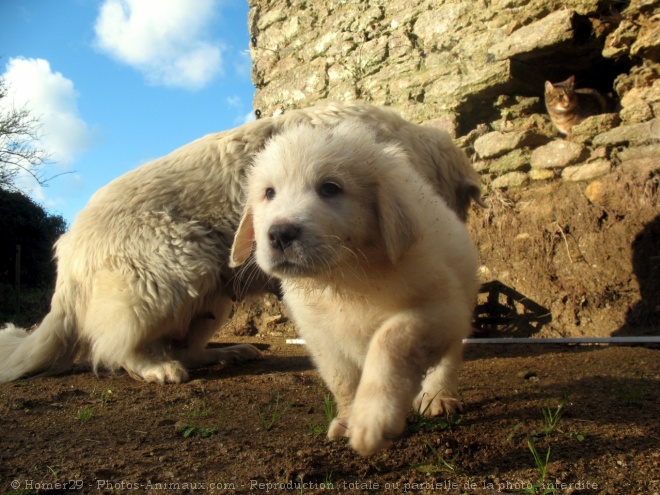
[19, 138]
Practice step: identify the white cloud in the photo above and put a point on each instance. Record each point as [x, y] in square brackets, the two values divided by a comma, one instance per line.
[249, 117]
[166, 40]
[236, 103]
[51, 99]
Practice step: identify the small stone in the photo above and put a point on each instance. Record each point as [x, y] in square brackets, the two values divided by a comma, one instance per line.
[637, 113]
[481, 166]
[515, 160]
[592, 126]
[274, 319]
[595, 192]
[598, 153]
[498, 143]
[641, 94]
[635, 152]
[557, 154]
[512, 179]
[647, 43]
[270, 17]
[553, 29]
[541, 174]
[588, 171]
[632, 134]
[618, 41]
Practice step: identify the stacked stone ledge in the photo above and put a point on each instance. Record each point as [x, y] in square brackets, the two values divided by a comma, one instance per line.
[456, 65]
[594, 149]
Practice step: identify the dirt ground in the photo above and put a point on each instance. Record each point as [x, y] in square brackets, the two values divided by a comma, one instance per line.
[260, 428]
[572, 259]
[554, 263]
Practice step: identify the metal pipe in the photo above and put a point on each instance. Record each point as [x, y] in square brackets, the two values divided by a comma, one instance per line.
[565, 340]
[541, 340]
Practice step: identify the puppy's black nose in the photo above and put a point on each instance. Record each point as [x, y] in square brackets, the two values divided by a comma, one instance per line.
[282, 235]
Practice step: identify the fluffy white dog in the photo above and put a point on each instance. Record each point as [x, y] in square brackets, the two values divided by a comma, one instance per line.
[143, 278]
[379, 274]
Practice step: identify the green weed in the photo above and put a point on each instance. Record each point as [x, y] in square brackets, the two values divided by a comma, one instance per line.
[329, 408]
[54, 471]
[199, 409]
[437, 465]
[542, 464]
[552, 418]
[513, 434]
[574, 433]
[202, 431]
[274, 414]
[105, 396]
[631, 395]
[85, 414]
[190, 426]
[419, 421]
[317, 429]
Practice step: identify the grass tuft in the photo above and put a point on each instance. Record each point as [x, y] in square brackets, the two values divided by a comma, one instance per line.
[539, 487]
[438, 464]
[552, 418]
[202, 431]
[419, 421]
[631, 395]
[330, 410]
[274, 414]
[85, 414]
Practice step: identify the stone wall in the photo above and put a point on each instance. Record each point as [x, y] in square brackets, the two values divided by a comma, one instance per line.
[477, 68]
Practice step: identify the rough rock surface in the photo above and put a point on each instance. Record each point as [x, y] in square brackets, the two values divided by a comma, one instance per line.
[557, 154]
[477, 70]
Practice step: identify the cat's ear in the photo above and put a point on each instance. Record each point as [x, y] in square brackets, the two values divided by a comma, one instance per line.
[548, 86]
[571, 81]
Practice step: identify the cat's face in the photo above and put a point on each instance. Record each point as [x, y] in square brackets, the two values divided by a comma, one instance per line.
[560, 97]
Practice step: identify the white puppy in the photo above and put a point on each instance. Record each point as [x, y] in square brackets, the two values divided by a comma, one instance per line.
[378, 272]
[142, 275]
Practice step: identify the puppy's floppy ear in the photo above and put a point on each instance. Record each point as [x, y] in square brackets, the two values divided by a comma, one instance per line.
[396, 218]
[243, 240]
[466, 192]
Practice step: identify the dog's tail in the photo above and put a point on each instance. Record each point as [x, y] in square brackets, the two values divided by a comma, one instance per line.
[50, 349]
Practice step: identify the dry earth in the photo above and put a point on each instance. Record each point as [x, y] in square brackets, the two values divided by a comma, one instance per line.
[556, 264]
[258, 428]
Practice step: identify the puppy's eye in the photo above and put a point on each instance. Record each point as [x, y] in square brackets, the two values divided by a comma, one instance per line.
[270, 193]
[329, 189]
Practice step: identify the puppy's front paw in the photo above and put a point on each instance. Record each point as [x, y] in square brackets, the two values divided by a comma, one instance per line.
[372, 432]
[166, 372]
[238, 354]
[435, 405]
[338, 428]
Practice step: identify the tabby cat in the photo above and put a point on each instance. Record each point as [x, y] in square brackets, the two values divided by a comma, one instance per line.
[568, 106]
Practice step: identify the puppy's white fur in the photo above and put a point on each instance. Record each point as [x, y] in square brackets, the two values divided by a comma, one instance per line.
[378, 272]
[143, 281]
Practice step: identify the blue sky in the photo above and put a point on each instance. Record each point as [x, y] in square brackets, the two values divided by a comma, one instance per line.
[117, 83]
